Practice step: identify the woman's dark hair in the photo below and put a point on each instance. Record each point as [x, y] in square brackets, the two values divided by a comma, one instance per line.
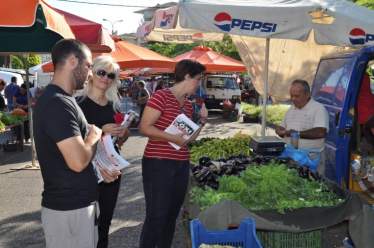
[189, 67]
[63, 48]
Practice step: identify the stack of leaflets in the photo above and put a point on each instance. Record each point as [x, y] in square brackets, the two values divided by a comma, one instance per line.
[182, 125]
[106, 156]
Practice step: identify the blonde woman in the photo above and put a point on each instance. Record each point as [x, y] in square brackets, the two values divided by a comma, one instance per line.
[99, 102]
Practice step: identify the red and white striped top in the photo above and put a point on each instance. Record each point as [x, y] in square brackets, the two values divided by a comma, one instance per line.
[165, 102]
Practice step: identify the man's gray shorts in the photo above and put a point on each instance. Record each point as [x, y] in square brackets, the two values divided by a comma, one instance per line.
[70, 229]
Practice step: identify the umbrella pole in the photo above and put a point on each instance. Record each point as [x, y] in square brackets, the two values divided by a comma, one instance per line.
[266, 88]
[34, 165]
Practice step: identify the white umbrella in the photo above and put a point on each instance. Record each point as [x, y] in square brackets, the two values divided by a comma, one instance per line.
[334, 22]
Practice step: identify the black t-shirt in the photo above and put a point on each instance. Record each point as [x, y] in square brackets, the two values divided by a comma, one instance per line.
[57, 116]
[97, 114]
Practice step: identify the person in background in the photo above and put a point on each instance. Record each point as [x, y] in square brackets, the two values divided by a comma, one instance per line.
[365, 101]
[308, 118]
[10, 91]
[166, 170]
[2, 101]
[126, 102]
[143, 96]
[65, 144]
[99, 104]
[20, 101]
[20, 98]
[160, 85]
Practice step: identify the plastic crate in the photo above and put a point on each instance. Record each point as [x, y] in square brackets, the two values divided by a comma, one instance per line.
[244, 236]
[275, 239]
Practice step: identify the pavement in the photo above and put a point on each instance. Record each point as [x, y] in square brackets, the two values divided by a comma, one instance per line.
[20, 194]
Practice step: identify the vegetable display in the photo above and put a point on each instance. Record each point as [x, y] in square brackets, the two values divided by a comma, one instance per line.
[267, 187]
[215, 148]
[274, 113]
[9, 119]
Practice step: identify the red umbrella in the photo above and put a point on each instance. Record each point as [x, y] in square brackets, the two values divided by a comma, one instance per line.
[213, 61]
[91, 33]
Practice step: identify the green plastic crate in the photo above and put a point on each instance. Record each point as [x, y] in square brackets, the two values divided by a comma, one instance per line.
[271, 239]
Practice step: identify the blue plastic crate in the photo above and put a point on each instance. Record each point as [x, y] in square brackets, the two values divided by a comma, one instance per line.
[244, 236]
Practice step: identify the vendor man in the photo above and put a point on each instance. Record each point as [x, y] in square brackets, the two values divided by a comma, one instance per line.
[307, 117]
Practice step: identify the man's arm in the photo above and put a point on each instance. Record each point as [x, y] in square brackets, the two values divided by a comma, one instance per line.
[314, 133]
[281, 131]
[78, 152]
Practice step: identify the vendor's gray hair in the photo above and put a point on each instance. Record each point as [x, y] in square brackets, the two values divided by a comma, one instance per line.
[303, 84]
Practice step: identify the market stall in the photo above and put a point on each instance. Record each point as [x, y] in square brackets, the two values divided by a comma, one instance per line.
[291, 204]
[12, 130]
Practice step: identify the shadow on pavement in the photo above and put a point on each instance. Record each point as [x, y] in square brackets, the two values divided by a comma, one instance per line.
[15, 157]
[22, 231]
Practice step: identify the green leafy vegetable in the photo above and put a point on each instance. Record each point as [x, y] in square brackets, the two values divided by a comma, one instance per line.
[272, 186]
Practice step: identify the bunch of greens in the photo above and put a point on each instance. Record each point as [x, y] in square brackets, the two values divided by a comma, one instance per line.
[272, 186]
[8, 119]
[2, 126]
[276, 112]
[220, 148]
[250, 109]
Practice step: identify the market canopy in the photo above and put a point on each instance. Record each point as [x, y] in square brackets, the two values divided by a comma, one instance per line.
[299, 32]
[159, 29]
[129, 55]
[146, 71]
[93, 34]
[324, 26]
[335, 22]
[30, 26]
[213, 61]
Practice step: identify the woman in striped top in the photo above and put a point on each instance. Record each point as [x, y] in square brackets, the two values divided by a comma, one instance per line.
[166, 170]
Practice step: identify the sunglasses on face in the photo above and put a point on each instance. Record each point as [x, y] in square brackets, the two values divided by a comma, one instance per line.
[102, 73]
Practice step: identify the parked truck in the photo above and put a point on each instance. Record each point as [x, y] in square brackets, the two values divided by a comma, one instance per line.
[218, 88]
[337, 86]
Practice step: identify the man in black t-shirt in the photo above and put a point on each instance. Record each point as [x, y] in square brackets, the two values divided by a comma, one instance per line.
[65, 145]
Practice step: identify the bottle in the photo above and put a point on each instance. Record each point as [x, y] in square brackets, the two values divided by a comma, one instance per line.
[295, 136]
[356, 166]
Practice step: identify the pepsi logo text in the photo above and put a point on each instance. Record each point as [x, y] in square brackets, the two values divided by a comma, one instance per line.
[358, 36]
[225, 22]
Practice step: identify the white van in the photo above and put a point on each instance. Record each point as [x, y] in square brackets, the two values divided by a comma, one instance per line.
[7, 77]
[218, 88]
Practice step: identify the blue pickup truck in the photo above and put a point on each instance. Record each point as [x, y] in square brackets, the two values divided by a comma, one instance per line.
[336, 86]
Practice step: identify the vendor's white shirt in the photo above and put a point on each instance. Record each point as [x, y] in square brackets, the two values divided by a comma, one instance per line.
[312, 115]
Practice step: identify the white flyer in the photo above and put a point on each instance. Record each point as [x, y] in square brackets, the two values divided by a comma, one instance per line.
[182, 125]
[106, 157]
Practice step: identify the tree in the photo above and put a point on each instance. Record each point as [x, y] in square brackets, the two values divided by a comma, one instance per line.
[225, 47]
[366, 3]
[170, 49]
[20, 61]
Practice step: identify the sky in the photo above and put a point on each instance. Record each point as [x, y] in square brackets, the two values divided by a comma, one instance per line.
[97, 13]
